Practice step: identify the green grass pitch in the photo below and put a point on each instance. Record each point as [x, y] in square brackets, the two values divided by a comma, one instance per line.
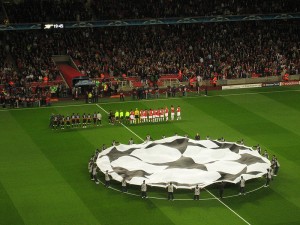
[44, 177]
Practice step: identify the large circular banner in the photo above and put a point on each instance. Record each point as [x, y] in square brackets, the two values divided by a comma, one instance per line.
[183, 161]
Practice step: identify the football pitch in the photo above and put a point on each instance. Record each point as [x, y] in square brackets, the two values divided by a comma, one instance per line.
[44, 175]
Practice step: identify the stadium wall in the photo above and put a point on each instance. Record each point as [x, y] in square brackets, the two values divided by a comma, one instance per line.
[256, 80]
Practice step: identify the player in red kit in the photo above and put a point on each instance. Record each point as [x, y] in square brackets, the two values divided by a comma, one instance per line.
[156, 115]
[150, 115]
[178, 113]
[172, 112]
[162, 114]
[142, 116]
[131, 118]
[145, 115]
[166, 113]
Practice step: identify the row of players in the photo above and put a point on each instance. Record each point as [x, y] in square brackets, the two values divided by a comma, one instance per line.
[132, 117]
[144, 116]
[73, 121]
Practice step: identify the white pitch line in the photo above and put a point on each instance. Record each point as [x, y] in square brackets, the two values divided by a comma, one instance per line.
[122, 124]
[132, 132]
[181, 199]
[228, 207]
[102, 109]
[150, 100]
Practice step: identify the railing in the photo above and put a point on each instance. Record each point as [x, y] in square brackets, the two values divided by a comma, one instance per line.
[255, 80]
[112, 82]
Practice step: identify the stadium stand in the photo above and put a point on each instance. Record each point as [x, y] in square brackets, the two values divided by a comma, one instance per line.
[69, 73]
[225, 50]
[49, 10]
[152, 55]
[29, 11]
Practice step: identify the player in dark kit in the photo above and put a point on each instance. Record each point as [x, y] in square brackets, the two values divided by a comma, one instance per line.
[89, 119]
[51, 120]
[62, 122]
[77, 120]
[59, 120]
[111, 118]
[95, 119]
[84, 120]
[55, 122]
[73, 120]
[68, 121]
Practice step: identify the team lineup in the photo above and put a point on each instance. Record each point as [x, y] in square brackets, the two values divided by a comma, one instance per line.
[119, 116]
[75, 120]
[145, 116]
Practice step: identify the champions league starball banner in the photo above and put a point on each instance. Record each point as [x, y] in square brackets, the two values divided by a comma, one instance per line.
[183, 161]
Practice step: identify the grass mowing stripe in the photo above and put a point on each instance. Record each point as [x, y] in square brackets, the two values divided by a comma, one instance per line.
[228, 207]
[288, 99]
[8, 214]
[34, 185]
[266, 133]
[69, 152]
[273, 110]
[205, 189]
[257, 206]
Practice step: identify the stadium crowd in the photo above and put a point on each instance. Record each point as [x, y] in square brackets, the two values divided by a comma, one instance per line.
[77, 10]
[215, 50]
[228, 50]
[170, 8]
[30, 11]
